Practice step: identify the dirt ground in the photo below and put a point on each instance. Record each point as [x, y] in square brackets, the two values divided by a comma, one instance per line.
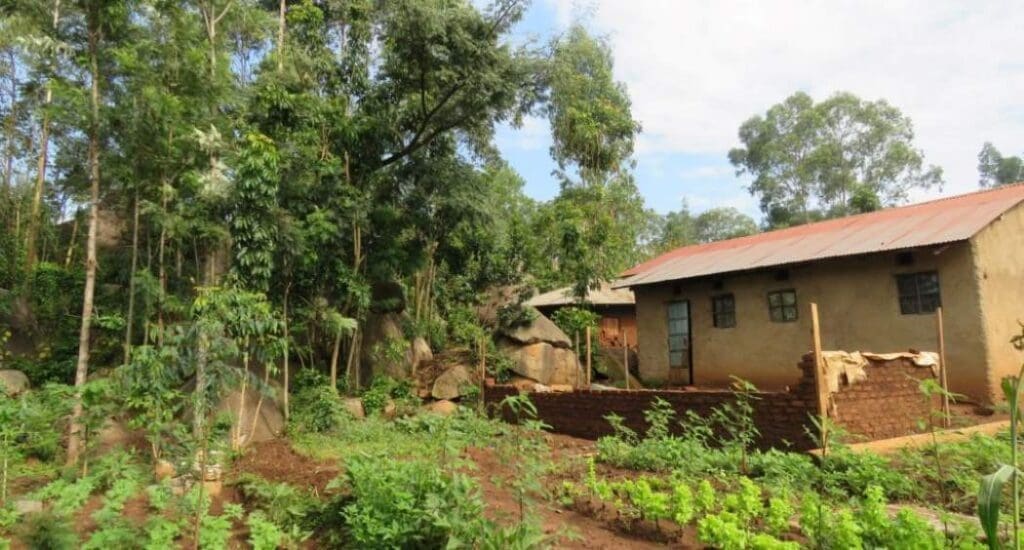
[571, 528]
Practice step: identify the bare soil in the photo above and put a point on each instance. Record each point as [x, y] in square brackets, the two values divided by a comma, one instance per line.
[275, 460]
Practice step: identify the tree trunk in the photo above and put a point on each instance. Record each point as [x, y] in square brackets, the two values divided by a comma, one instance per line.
[34, 222]
[280, 34]
[71, 243]
[82, 368]
[131, 282]
[12, 119]
[287, 344]
[334, 360]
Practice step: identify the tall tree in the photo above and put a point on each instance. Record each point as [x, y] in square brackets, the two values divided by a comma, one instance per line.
[994, 169]
[812, 160]
[599, 211]
[719, 224]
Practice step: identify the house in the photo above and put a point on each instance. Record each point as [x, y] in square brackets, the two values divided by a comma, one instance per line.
[740, 307]
[614, 306]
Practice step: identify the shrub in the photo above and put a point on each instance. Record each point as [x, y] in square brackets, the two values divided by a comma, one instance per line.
[315, 406]
[384, 388]
[49, 530]
[408, 504]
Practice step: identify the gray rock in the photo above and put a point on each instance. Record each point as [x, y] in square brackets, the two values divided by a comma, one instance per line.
[540, 330]
[26, 506]
[545, 363]
[451, 382]
[419, 352]
[13, 382]
[354, 406]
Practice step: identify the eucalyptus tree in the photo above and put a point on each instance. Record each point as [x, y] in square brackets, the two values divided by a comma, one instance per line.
[840, 156]
[599, 212]
[995, 169]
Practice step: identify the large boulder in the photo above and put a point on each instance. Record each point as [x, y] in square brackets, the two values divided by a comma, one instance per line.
[13, 382]
[544, 363]
[384, 348]
[419, 352]
[451, 383]
[269, 423]
[443, 407]
[540, 330]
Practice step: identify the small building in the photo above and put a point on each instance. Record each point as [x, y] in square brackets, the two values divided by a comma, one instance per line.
[615, 306]
[740, 307]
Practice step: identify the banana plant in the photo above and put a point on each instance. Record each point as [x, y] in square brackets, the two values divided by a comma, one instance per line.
[991, 490]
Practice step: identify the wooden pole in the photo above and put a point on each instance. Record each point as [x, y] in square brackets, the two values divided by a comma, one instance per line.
[483, 374]
[588, 357]
[576, 352]
[625, 357]
[821, 390]
[942, 366]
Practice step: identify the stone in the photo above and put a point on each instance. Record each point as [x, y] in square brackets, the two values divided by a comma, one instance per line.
[354, 406]
[13, 382]
[419, 352]
[164, 470]
[390, 409]
[544, 363]
[541, 388]
[562, 387]
[443, 407]
[28, 506]
[382, 334]
[450, 383]
[269, 423]
[540, 330]
[522, 383]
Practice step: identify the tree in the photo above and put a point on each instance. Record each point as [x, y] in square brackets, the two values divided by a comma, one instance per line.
[821, 160]
[994, 169]
[599, 214]
[719, 224]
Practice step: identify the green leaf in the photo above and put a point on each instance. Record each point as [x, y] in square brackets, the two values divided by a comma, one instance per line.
[990, 494]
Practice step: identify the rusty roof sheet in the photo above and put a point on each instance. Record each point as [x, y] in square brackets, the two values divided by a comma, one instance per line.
[605, 295]
[934, 222]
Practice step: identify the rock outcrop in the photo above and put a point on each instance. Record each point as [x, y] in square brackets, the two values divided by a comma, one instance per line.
[451, 383]
[13, 382]
[540, 351]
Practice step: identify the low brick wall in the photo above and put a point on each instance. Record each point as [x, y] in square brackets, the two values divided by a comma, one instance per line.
[887, 404]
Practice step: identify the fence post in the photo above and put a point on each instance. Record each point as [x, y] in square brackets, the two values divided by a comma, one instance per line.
[625, 357]
[588, 357]
[819, 374]
[942, 366]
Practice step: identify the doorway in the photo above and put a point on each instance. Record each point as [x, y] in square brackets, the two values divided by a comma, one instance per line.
[680, 354]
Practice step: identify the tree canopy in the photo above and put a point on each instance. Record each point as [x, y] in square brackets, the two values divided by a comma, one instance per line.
[994, 169]
[839, 156]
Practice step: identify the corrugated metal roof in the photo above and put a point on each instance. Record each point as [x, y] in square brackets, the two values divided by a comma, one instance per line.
[934, 222]
[605, 296]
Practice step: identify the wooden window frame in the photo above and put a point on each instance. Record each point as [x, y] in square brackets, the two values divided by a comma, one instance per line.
[724, 316]
[913, 302]
[782, 307]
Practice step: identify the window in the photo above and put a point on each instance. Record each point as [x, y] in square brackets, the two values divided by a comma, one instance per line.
[782, 306]
[919, 292]
[723, 311]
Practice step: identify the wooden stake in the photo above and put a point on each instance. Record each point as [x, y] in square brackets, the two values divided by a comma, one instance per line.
[483, 373]
[819, 374]
[625, 358]
[942, 366]
[588, 357]
[576, 351]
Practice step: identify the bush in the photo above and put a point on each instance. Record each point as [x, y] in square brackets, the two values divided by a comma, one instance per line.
[384, 388]
[409, 504]
[50, 531]
[315, 406]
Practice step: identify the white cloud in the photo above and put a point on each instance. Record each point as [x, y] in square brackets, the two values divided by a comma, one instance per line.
[533, 135]
[697, 69]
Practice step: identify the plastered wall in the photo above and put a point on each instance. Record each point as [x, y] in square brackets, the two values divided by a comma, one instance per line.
[1000, 252]
[859, 310]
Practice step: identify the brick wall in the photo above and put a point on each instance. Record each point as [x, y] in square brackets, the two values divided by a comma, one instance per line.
[887, 404]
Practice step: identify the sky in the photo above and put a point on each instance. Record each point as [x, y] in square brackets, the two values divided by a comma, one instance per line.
[695, 70]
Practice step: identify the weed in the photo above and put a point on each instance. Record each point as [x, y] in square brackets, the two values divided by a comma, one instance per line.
[50, 530]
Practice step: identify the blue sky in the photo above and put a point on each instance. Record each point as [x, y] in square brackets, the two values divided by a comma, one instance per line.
[664, 179]
[695, 70]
